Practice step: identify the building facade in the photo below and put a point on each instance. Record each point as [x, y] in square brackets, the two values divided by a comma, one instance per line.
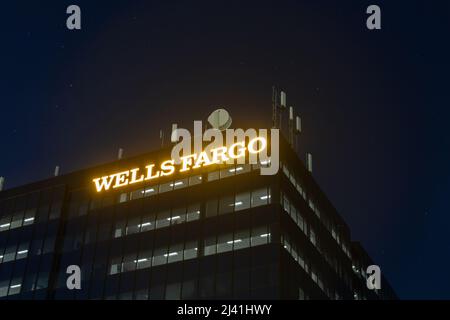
[221, 232]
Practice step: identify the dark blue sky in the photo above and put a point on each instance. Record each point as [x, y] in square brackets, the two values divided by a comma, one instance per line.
[375, 104]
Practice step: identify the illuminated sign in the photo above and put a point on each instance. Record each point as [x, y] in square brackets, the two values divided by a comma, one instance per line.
[218, 155]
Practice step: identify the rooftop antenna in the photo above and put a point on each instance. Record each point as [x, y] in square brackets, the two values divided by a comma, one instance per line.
[56, 173]
[278, 106]
[120, 154]
[298, 130]
[220, 119]
[161, 136]
[2, 183]
[291, 126]
[309, 161]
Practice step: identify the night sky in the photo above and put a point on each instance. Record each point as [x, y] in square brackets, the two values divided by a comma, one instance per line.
[374, 104]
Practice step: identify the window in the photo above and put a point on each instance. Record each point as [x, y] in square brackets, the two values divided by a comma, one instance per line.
[210, 246]
[160, 257]
[225, 243]
[213, 175]
[242, 239]
[178, 216]
[22, 251]
[123, 197]
[144, 260]
[16, 220]
[179, 184]
[165, 187]
[116, 266]
[211, 208]
[228, 172]
[15, 286]
[195, 180]
[137, 194]
[260, 197]
[10, 254]
[227, 204]
[29, 216]
[193, 212]
[150, 191]
[175, 253]
[260, 235]
[191, 250]
[242, 201]
[163, 219]
[5, 223]
[119, 230]
[129, 263]
[148, 222]
[133, 226]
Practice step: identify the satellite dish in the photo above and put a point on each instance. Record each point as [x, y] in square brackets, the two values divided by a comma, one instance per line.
[220, 119]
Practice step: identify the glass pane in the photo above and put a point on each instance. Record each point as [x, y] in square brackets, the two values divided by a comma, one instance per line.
[211, 208]
[225, 243]
[226, 204]
[191, 250]
[159, 257]
[260, 235]
[137, 194]
[165, 187]
[193, 212]
[213, 175]
[144, 260]
[242, 239]
[242, 201]
[178, 184]
[148, 222]
[210, 246]
[228, 172]
[163, 219]
[133, 226]
[178, 215]
[260, 197]
[175, 253]
[195, 180]
[150, 191]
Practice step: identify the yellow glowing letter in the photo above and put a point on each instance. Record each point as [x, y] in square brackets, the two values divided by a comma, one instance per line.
[241, 153]
[121, 179]
[167, 167]
[219, 152]
[134, 178]
[187, 161]
[251, 143]
[150, 174]
[104, 183]
[202, 158]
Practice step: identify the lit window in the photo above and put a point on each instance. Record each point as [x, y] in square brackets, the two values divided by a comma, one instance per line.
[119, 229]
[243, 199]
[178, 184]
[193, 212]
[191, 250]
[163, 219]
[144, 260]
[210, 246]
[195, 180]
[225, 242]
[260, 235]
[227, 204]
[150, 191]
[15, 286]
[178, 215]
[129, 263]
[260, 197]
[148, 222]
[133, 226]
[175, 253]
[116, 266]
[123, 197]
[213, 175]
[160, 257]
[165, 187]
[244, 237]
[137, 194]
